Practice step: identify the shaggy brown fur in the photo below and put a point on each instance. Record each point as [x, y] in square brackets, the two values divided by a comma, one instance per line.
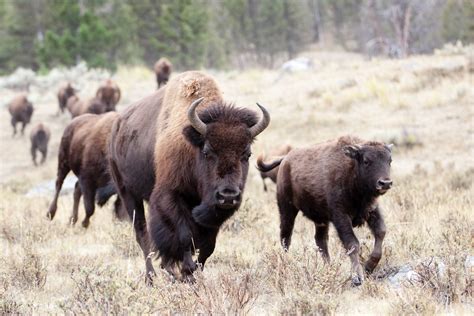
[272, 174]
[64, 93]
[39, 137]
[337, 181]
[20, 110]
[109, 93]
[78, 107]
[163, 68]
[84, 150]
[193, 181]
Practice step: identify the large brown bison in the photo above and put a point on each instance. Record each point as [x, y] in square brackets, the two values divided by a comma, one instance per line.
[109, 93]
[20, 110]
[337, 181]
[185, 151]
[163, 68]
[39, 137]
[83, 149]
[64, 93]
[272, 174]
[79, 107]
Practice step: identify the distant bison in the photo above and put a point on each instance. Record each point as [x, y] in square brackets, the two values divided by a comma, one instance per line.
[78, 107]
[39, 137]
[20, 110]
[83, 149]
[163, 68]
[272, 174]
[186, 151]
[64, 93]
[109, 93]
[337, 181]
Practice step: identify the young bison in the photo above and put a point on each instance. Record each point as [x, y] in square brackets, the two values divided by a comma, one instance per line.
[163, 68]
[337, 181]
[39, 137]
[20, 110]
[83, 149]
[64, 93]
[272, 174]
[109, 94]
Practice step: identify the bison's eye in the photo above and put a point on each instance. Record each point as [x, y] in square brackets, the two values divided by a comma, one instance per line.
[367, 162]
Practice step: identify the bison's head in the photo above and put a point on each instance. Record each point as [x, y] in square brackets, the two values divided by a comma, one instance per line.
[372, 166]
[223, 134]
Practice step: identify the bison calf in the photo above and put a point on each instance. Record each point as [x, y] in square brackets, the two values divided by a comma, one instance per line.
[64, 93]
[83, 149]
[337, 181]
[20, 110]
[163, 68]
[39, 137]
[272, 174]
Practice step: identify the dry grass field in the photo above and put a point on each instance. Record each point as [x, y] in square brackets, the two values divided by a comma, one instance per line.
[423, 104]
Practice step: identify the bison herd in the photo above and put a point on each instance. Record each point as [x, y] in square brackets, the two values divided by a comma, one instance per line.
[185, 151]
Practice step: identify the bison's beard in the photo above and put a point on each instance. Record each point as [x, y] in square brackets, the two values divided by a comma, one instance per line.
[211, 216]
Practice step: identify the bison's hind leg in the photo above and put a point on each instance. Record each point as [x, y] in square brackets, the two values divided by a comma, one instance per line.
[321, 237]
[287, 210]
[88, 190]
[75, 207]
[63, 170]
[33, 154]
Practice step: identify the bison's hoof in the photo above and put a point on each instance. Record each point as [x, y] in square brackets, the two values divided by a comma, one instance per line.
[85, 224]
[50, 215]
[356, 280]
[189, 279]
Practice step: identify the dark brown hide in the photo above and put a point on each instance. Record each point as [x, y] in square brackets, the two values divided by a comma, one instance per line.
[20, 110]
[163, 68]
[64, 93]
[84, 150]
[272, 174]
[109, 94]
[156, 155]
[337, 181]
[39, 137]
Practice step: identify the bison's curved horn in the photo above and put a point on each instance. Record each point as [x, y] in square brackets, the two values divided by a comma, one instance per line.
[196, 122]
[262, 123]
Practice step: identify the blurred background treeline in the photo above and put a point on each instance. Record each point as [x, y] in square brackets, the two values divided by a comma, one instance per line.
[41, 34]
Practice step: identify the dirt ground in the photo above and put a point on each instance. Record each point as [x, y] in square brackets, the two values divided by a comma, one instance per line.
[423, 104]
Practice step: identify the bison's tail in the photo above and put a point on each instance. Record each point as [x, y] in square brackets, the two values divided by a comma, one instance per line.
[265, 167]
[104, 193]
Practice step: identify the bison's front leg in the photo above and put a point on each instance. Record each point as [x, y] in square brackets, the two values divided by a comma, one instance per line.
[207, 243]
[343, 224]
[377, 226]
[170, 229]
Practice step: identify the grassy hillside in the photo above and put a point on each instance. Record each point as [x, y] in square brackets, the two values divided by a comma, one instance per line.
[424, 104]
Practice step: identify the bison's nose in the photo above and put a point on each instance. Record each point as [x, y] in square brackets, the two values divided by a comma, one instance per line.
[384, 184]
[228, 197]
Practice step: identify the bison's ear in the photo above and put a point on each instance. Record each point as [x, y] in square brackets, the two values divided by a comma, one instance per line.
[389, 147]
[352, 151]
[193, 136]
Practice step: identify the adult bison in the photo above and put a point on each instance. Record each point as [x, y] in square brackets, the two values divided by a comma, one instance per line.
[39, 137]
[64, 93]
[79, 107]
[185, 151]
[272, 174]
[163, 68]
[20, 110]
[83, 149]
[337, 181]
[109, 93]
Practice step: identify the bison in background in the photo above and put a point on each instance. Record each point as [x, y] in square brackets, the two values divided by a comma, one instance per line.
[338, 181]
[83, 149]
[64, 93]
[109, 93]
[272, 174]
[185, 151]
[39, 137]
[20, 110]
[163, 68]
[79, 107]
